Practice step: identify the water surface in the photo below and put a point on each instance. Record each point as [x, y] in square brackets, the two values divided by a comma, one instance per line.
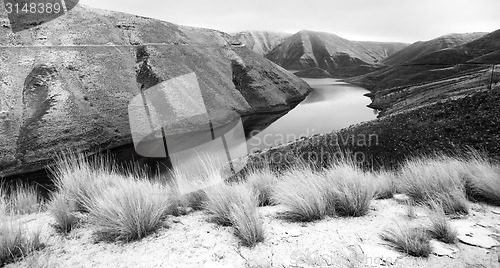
[332, 105]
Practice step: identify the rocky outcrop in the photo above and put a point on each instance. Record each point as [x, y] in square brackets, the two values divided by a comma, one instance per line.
[67, 83]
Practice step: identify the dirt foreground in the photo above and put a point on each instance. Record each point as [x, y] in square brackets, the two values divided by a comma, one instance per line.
[192, 241]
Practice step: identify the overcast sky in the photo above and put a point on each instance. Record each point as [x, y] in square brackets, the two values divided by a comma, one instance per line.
[378, 20]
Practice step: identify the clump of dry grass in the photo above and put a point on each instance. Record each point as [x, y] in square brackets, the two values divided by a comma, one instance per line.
[440, 227]
[303, 193]
[247, 224]
[64, 211]
[350, 190]
[481, 178]
[83, 179]
[262, 183]
[21, 199]
[15, 241]
[414, 241]
[385, 183]
[236, 205]
[130, 210]
[428, 180]
[121, 207]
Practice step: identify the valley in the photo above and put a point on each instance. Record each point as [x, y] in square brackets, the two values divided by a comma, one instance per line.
[130, 141]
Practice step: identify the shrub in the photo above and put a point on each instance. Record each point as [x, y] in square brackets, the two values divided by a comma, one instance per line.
[129, 210]
[410, 240]
[440, 227]
[303, 193]
[350, 190]
[426, 180]
[64, 211]
[15, 241]
[262, 183]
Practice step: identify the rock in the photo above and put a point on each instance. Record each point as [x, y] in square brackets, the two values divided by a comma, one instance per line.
[478, 240]
[377, 255]
[77, 97]
[496, 211]
[442, 249]
[465, 227]
[402, 198]
[471, 233]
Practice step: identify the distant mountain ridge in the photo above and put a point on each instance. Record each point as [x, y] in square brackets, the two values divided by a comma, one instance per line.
[421, 48]
[440, 64]
[262, 42]
[309, 49]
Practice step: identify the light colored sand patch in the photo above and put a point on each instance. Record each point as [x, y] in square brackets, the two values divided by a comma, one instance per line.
[192, 241]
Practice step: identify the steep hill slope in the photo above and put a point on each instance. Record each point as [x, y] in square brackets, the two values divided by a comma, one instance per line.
[441, 64]
[260, 41]
[67, 83]
[421, 48]
[307, 49]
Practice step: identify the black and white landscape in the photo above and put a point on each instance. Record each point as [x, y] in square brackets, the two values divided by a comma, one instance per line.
[136, 137]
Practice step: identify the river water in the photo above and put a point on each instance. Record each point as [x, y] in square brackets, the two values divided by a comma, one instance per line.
[332, 105]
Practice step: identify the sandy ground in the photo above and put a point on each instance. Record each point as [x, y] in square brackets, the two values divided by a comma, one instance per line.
[192, 241]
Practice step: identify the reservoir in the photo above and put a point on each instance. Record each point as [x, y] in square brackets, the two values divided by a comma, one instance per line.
[332, 105]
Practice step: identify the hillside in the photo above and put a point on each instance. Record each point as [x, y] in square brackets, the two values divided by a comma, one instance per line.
[441, 64]
[67, 83]
[307, 49]
[421, 48]
[260, 41]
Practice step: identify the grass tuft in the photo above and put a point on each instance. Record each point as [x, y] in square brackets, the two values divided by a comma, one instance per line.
[482, 179]
[245, 219]
[236, 205]
[82, 178]
[64, 212]
[20, 199]
[427, 180]
[410, 240]
[262, 182]
[350, 190]
[385, 184]
[130, 210]
[303, 193]
[440, 227]
[15, 241]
